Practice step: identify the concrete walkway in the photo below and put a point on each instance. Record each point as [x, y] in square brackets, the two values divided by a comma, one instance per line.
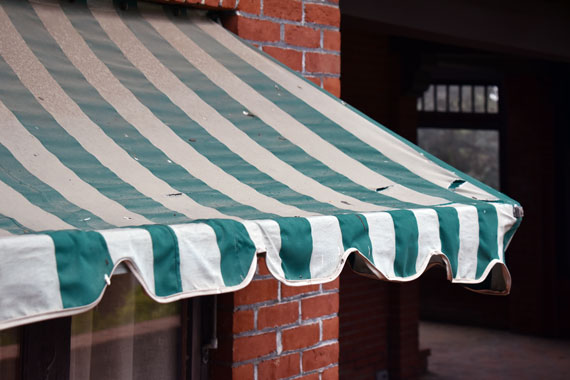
[459, 352]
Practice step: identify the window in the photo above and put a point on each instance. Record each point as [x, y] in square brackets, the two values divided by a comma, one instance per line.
[465, 98]
[460, 123]
[126, 336]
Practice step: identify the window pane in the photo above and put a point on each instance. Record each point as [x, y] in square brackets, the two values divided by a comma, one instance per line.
[441, 98]
[466, 104]
[492, 99]
[419, 104]
[127, 336]
[480, 99]
[10, 354]
[453, 98]
[428, 99]
[475, 152]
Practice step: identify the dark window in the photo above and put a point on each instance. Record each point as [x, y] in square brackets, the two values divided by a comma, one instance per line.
[460, 123]
[10, 341]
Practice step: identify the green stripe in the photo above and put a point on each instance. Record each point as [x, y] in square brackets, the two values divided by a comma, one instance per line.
[406, 229]
[236, 249]
[449, 234]
[296, 247]
[166, 260]
[40, 194]
[12, 226]
[355, 234]
[488, 243]
[314, 120]
[172, 116]
[82, 262]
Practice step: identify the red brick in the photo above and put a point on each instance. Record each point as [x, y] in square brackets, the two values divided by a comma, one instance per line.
[330, 374]
[283, 366]
[286, 9]
[330, 328]
[332, 85]
[320, 357]
[250, 347]
[317, 81]
[243, 321]
[212, 3]
[262, 266]
[249, 6]
[322, 63]
[256, 291]
[334, 284]
[331, 40]
[321, 305]
[244, 372]
[291, 58]
[290, 291]
[302, 36]
[257, 30]
[276, 315]
[322, 14]
[300, 337]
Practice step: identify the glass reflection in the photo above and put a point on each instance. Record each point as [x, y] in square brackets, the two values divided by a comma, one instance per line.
[126, 336]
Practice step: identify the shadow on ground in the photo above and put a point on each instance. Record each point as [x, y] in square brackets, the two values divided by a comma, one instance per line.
[460, 352]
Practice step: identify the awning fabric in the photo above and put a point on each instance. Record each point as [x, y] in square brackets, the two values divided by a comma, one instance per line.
[164, 142]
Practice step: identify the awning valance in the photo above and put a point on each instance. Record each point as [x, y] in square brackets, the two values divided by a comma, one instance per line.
[165, 143]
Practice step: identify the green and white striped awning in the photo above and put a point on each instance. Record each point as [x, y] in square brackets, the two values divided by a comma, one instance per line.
[166, 143]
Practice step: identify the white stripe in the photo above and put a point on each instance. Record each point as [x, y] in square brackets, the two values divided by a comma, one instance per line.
[29, 283]
[428, 236]
[134, 245]
[359, 126]
[281, 121]
[14, 205]
[85, 131]
[217, 125]
[200, 257]
[468, 242]
[47, 168]
[383, 238]
[134, 112]
[255, 234]
[272, 241]
[327, 246]
[506, 220]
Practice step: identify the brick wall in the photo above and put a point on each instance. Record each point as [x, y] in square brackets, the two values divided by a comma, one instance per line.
[302, 34]
[271, 331]
[363, 326]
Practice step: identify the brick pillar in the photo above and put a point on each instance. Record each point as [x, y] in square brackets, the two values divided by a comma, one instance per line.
[270, 331]
[302, 34]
